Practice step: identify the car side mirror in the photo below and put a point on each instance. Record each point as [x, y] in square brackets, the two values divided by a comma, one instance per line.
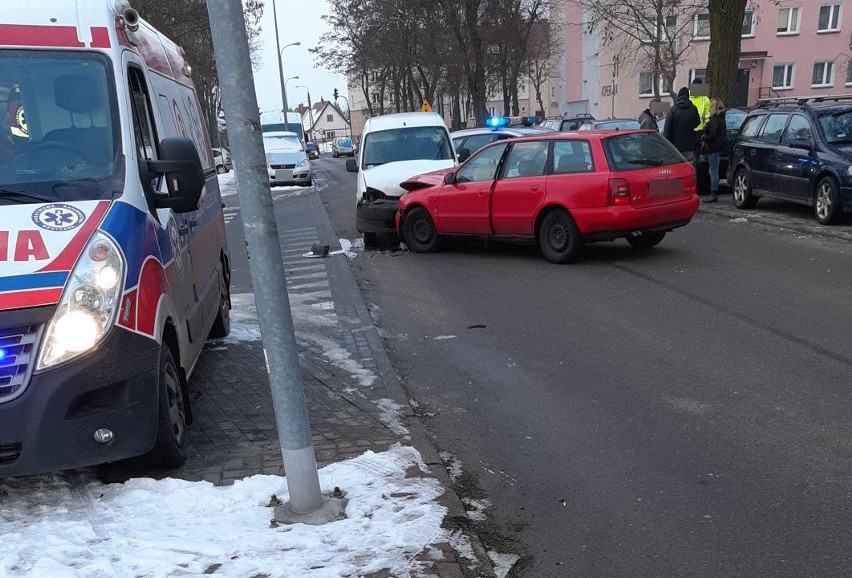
[800, 143]
[464, 154]
[181, 165]
[450, 178]
[351, 166]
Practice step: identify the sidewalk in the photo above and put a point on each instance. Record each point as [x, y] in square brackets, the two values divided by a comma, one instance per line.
[355, 400]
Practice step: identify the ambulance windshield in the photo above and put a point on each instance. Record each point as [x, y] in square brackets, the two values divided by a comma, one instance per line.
[59, 137]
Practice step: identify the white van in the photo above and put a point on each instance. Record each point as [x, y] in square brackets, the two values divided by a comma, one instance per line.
[395, 147]
[113, 261]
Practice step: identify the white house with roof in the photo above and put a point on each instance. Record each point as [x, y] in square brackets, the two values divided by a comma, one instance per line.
[324, 121]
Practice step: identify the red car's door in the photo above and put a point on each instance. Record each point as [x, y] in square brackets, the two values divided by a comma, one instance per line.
[519, 192]
[463, 206]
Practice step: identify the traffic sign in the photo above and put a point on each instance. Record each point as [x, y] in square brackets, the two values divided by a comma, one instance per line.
[425, 107]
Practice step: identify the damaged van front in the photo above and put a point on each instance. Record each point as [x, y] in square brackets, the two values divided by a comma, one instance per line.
[395, 147]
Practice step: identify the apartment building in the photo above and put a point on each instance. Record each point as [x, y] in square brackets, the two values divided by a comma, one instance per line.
[799, 48]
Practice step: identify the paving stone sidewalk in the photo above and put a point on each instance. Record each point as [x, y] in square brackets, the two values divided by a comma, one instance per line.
[354, 398]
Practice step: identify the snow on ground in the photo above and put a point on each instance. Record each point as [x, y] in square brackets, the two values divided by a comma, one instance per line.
[157, 528]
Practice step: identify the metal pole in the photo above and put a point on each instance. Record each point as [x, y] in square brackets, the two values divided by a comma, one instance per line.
[310, 110]
[267, 270]
[284, 106]
[349, 112]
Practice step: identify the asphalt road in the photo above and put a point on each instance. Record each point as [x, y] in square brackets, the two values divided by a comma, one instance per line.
[682, 411]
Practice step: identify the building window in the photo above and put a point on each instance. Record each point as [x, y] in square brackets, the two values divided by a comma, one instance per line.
[748, 24]
[374, 97]
[646, 84]
[849, 72]
[788, 20]
[823, 74]
[829, 18]
[698, 74]
[701, 26]
[782, 76]
[329, 118]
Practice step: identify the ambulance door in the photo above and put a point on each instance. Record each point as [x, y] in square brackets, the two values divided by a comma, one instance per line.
[171, 229]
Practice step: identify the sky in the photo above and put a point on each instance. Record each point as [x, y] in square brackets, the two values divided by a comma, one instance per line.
[298, 21]
[69, 525]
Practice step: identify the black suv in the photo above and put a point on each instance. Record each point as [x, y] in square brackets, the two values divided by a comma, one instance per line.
[565, 124]
[798, 150]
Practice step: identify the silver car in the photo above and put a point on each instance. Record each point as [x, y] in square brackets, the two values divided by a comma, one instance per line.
[286, 160]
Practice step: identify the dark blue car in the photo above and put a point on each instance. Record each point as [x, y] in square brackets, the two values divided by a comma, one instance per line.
[797, 151]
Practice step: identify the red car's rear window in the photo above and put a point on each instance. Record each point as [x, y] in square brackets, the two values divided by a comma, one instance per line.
[639, 150]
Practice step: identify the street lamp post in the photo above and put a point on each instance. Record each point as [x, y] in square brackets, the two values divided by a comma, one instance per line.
[280, 65]
[284, 92]
[310, 108]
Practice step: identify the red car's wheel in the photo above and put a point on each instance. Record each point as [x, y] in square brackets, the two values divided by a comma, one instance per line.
[559, 237]
[420, 233]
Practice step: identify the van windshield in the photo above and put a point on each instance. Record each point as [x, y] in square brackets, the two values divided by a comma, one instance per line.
[59, 133]
[407, 144]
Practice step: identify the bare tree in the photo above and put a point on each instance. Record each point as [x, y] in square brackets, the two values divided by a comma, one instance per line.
[726, 20]
[542, 58]
[654, 34]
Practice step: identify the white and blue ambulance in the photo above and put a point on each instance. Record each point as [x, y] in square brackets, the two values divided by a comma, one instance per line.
[113, 261]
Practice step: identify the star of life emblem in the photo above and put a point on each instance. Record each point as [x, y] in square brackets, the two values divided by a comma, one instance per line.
[58, 217]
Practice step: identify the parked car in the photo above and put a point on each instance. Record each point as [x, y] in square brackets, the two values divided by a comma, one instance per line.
[797, 151]
[564, 124]
[313, 150]
[286, 160]
[395, 147]
[222, 160]
[474, 139]
[563, 190]
[610, 124]
[342, 146]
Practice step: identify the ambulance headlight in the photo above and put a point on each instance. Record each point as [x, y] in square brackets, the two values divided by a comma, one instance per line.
[89, 304]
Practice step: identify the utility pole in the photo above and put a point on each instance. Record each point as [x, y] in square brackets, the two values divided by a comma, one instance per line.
[233, 64]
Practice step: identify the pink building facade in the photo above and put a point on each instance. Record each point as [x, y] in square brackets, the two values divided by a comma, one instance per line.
[799, 48]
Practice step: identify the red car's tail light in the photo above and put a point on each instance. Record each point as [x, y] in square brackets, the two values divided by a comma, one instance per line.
[619, 192]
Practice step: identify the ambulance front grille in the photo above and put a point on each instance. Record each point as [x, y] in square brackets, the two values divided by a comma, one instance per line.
[293, 166]
[17, 358]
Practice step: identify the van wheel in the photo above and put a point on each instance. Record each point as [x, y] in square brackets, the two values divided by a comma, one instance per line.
[222, 324]
[559, 238]
[743, 197]
[419, 231]
[827, 201]
[170, 449]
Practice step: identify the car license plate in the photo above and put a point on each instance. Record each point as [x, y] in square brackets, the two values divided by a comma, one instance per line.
[665, 187]
[283, 175]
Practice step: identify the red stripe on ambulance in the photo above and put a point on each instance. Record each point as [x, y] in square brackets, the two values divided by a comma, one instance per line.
[32, 298]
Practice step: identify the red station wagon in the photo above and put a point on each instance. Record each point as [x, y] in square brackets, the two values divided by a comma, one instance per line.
[564, 190]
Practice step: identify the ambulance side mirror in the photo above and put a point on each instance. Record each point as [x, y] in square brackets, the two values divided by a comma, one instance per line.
[181, 165]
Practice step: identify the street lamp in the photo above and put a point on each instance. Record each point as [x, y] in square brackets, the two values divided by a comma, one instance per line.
[310, 107]
[284, 93]
[281, 66]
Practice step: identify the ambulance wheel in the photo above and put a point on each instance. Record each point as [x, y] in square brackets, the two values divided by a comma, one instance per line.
[170, 449]
[222, 324]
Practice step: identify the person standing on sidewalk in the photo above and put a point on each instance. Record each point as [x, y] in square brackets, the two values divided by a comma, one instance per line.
[648, 120]
[715, 140]
[680, 124]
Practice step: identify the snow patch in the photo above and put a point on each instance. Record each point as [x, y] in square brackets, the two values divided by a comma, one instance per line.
[442, 337]
[52, 526]
[502, 563]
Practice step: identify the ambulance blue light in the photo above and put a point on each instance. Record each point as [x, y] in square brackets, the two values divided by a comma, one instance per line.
[496, 121]
[2, 354]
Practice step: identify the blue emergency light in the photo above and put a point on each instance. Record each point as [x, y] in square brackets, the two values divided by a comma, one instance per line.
[2, 354]
[496, 121]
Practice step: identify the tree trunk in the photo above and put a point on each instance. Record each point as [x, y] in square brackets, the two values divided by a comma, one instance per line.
[726, 21]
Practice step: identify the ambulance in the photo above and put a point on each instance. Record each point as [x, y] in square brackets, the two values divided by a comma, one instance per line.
[114, 268]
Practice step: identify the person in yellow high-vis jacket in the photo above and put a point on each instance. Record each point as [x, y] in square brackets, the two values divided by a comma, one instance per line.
[702, 105]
